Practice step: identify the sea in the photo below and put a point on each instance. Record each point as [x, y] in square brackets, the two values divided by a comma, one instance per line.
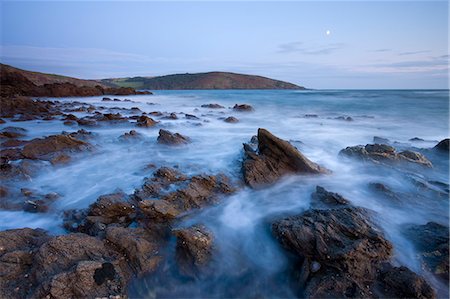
[319, 123]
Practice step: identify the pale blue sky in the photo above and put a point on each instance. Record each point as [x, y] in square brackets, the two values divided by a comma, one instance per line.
[380, 44]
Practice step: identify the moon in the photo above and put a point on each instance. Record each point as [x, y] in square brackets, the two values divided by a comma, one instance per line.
[328, 32]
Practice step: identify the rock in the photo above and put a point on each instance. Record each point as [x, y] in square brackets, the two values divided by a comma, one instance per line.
[51, 146]
[168, 138]
[145, 121]
[191, 116]
[86, 121]
[382, 153]
[416, 139]
[111, 117]
[194, 251]
[11, 154]
[14, 143]
[400, 282]
[108, 209]
[132, 135]
[212, 106]
[17, 250]
[380, 140]
[26, 108]
[12, 132]
[346, 118]
[3, 191]
[81, 134]
[2, 121]
[138, 245]
[231, 119]
[172, 116]
[432, 242]
[275, 158]
[158, 210]
[385, 191]
[243, 107]
[443, 145]
[310, 116]
[329, 199]
[106, 100]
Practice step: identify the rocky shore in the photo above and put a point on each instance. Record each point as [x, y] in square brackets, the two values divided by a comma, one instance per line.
[335, 248]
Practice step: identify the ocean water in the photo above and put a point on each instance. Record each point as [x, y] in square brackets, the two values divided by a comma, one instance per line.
[240, 222]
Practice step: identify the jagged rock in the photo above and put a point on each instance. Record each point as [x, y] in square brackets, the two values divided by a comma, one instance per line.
[51, 146]
[275, 158]
[158, 210]
[443, 145]
[243, 107]
[212, 106]
[145, 121]
[194, 250]
[329, 199]
[231, 119]
[382, 153]
[169, 138]
[26, 108]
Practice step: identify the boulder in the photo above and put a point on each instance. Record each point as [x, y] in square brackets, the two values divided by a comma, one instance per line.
[194, 251]
[273, 159]
[191, 116]
[243, 108]
[145, 121]
[231, 120]
[322, 198]
[169, 138]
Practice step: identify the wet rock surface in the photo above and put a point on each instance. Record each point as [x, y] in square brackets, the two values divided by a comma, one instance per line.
[243, 107]
[342, 254]
[169, 138]
[194, 250]
[443, 145]
[273, 159]
[382, 153]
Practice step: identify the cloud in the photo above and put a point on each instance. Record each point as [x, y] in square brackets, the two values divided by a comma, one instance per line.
[300, 47]
[414, 52]
[381, 50]
[436, 64]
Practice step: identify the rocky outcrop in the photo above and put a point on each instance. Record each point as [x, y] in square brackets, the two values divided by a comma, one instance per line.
[344, 255]
[145, 121]
[53, 147]
[194, 250]
[169, 138]
[231, 120]
[22, 108]
[382, 153]
[273, 159]
[443, 145]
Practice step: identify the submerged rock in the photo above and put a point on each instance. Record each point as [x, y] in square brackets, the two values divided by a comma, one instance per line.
[275, 157]
[12, 132]
[169, 138]
[382, 153]
[194, 250]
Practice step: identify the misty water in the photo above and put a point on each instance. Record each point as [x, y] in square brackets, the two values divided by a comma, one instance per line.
[249, 261]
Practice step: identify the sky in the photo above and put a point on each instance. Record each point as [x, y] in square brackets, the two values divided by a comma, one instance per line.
[317, 44]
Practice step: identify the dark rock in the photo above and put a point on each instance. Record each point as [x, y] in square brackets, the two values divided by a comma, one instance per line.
[168, 138]
[432, 242]
[416, 139]
[12, 132]
[132, 135]
[243, 107]
[310, 116]
[106, 100]
[385, 191]
[212, 106]
[275, 158]
[172, 116]
[2, 121]
[86, 121]
[14, 143]
[191, 116]
[145, 121]
[443, 145]
[231, 119]
[49, 147]
[26, 108]
[382, 153]
[380, 140]
[329, 199]
[346, 118]
[400, 282]
[194, 251]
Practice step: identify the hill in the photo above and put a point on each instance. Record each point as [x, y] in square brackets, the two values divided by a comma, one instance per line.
[17, 82]
[211, 80]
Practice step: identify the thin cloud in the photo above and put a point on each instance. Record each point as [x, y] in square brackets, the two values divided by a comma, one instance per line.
[414, 52]
[300, 47]
[381, 50]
